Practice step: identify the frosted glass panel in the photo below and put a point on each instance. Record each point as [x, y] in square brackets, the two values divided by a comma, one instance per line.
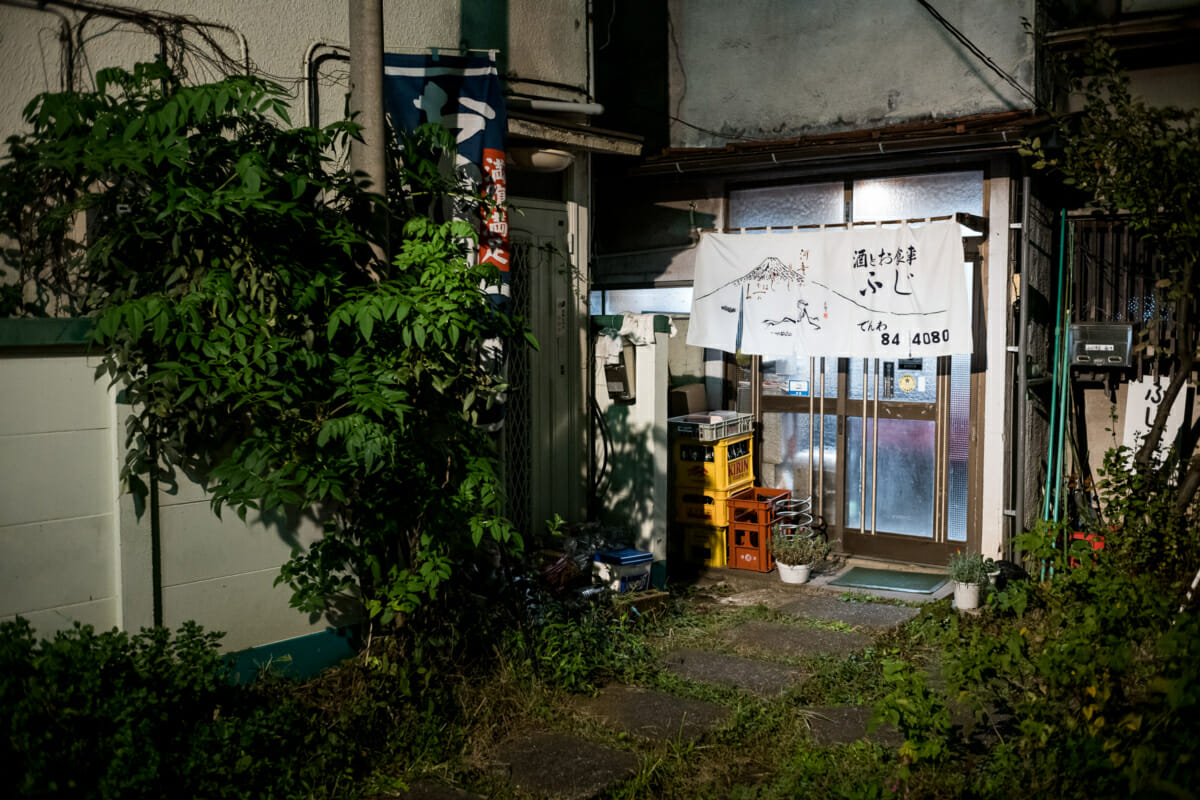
[904, 503]
[668, 300]
[960, 435]
[792, 376]
[785, 206]
[918, 196]
[786, 445]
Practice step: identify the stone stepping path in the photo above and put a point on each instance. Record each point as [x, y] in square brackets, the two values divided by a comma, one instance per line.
[858, 615]
[653, 715]
[832, 725]
[735, 672]
[567, 767]
[795, 641]
[563, 767]
[429, 790]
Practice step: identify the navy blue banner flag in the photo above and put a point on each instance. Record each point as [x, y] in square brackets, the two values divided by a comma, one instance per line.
[461, 93]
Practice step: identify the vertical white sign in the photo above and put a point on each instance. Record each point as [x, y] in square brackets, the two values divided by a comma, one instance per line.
[1141, 406]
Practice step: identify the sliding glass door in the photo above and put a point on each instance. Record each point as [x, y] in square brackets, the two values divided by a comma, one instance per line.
[883, 447]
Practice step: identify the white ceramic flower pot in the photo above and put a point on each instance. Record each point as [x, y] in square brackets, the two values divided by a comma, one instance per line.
[794, 573]
[966, 596]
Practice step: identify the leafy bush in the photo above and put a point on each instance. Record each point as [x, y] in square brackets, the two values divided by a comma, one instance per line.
[151, 715]
[223, 264]
[1099, 679]
[1146, 533]
[800, 547]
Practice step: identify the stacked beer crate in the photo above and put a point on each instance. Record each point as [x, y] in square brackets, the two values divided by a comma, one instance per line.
[753, 515]
[713, 459]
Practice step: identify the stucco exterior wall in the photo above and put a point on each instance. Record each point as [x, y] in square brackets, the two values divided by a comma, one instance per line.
[778, 69]
[546, 40]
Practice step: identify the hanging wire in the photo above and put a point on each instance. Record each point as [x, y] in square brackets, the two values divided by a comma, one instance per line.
[978, 53]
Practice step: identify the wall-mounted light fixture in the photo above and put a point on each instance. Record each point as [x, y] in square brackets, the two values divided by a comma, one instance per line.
[539, 159]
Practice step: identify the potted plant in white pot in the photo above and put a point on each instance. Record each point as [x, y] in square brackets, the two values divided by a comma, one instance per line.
[969, 571]
[796, 552]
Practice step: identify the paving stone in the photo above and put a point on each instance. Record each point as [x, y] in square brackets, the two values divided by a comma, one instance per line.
[563, 767]
[653, 715]
[832, 725]
[736, 672]
[792, 640]
[431, 790]
[867, 615]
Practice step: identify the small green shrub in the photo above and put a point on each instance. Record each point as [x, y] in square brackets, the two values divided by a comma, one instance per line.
[152, 715]
[574, 646]
[921, 715]
[967, 567]
[801, 547]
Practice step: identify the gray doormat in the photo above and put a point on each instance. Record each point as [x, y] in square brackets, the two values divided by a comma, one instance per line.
[891, 580]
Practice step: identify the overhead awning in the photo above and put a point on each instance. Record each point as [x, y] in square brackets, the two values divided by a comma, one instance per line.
[568, 134]
[981, 132]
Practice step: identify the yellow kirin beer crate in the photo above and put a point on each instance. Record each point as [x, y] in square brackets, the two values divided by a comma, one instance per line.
[720, 466]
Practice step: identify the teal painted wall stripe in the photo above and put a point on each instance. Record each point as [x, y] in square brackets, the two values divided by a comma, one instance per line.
[299, 658]
[45, 332]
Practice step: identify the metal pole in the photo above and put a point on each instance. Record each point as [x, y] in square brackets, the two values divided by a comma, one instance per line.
[368, 158]
[1051, 453]
[1022, 370]
[812, 374]
[862, 462]
[821, 474]
[874, 445]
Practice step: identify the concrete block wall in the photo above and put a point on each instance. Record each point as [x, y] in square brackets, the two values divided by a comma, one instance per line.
[221, 571]
[58, 504]
[73, 549]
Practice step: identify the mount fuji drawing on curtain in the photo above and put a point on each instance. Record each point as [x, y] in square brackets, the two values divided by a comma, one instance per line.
[884, 293]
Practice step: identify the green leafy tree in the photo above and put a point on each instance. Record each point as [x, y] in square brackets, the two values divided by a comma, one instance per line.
[1143, 163]
[216, 249]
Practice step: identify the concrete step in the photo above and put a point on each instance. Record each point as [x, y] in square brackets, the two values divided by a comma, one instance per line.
[832, 725]
[795, 641]
[561, 766]
[736, 672]
[653, 715]
[864, 615]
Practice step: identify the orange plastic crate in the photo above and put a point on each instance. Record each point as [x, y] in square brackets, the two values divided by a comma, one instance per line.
[750, 546]
[756, 504]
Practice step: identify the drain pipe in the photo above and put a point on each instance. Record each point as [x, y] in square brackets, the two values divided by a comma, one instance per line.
[1022, 371]
[535, 104]
[368, 155]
